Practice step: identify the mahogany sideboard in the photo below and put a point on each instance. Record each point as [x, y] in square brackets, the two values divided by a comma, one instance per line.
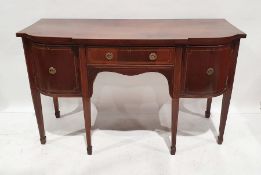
[197, 56]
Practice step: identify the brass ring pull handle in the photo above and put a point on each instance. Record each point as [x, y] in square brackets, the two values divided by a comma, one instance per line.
[153, 56]
[52, 70]
[210, 71]
[109, 55]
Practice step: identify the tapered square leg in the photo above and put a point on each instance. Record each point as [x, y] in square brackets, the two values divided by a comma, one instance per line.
[56, 107]
[224, 113]
[87, 121]
[174, 124]
[85, 98]
[207, 112]
[38, 113]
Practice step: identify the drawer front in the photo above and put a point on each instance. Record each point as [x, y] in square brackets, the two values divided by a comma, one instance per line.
[207, 69]
[130, 55]
[56, 69]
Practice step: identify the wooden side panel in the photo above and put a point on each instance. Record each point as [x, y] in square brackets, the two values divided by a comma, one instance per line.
[36, 97]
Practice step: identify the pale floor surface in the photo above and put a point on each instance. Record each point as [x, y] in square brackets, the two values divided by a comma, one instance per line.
[135, 145]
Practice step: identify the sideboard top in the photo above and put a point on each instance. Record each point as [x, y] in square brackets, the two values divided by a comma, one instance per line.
[126, 30]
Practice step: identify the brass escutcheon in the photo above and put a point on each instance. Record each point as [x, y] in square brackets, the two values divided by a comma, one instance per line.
[109, 55]
[153, 56]
[210, 71]
[52, 70]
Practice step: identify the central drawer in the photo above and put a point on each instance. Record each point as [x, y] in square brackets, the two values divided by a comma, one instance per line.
[130, 55]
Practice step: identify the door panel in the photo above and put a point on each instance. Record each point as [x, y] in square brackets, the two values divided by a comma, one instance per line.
[57, 69]
[206, 69]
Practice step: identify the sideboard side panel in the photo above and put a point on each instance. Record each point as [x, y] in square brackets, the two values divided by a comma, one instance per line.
[36, 97]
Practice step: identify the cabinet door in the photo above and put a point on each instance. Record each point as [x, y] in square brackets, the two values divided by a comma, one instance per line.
[56, 69]
[206, 70]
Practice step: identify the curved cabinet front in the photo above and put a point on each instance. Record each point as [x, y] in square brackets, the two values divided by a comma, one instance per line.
[206, 70]
[56, 69]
